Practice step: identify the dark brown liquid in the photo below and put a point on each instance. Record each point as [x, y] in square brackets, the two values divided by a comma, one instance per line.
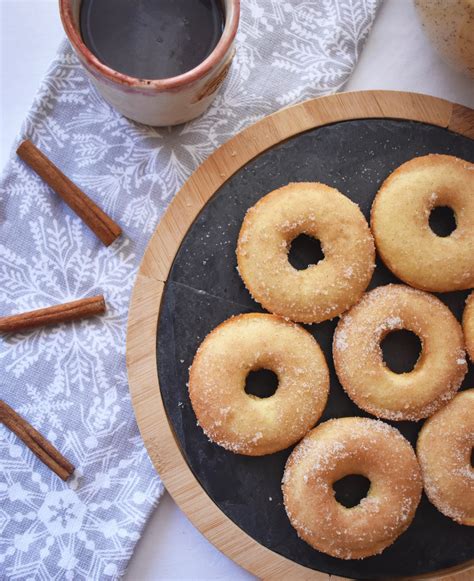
[151, 39]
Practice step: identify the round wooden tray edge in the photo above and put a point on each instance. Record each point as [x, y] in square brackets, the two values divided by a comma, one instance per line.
[166, 456]
[145, 304]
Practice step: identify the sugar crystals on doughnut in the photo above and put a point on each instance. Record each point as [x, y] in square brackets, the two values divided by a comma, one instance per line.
[400, 223]
[359, 363]
[338, 448]
[468, 325]
[323, 290]
[244, 423]
[444, 449]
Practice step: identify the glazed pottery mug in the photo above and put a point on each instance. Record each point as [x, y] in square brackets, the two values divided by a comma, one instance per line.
[157, 102]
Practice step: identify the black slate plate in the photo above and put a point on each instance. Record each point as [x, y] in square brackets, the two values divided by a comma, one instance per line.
[204, 289]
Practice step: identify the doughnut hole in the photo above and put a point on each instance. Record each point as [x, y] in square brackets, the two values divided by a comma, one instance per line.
[351, 489]
[472, 458]
[401, 350]
[442, 221]
[261, 383]
[305, 251]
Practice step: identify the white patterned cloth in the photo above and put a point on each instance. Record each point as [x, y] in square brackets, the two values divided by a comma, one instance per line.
[70, 380]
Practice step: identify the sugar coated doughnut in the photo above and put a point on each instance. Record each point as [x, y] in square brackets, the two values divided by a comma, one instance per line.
[338, 448]
[244, 423]
[468, 325]
[444, 448]
[325, 289]
[358, 356]
[400, 223]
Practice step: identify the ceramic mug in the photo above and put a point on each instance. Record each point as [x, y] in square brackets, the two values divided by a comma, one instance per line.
[164, 101]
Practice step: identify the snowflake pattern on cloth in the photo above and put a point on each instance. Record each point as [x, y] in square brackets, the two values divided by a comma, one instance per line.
[70, 380]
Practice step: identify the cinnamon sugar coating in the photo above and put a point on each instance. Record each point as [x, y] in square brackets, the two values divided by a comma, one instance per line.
[359, 363]
[323, 290]
[468, 325]
[400, 223]
[444, 448]
[338, 448]
[244, 423]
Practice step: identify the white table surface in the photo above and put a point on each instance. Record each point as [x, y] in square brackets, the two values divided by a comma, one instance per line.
[396, 56]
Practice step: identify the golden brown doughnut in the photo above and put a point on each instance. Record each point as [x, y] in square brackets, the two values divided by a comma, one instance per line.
[444, 448]
[400, 223]
[359, 363]
[338, 448]
[325, 289]
[244, 423]
[468, 325]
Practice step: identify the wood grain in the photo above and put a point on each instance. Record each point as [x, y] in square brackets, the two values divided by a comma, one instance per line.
[462, 121]
[145, 305]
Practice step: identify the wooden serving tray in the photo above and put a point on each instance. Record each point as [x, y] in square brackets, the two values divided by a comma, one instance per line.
[187, 284]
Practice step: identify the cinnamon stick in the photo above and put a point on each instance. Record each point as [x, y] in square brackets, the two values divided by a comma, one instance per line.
[43, 449]
[102, 225]
[53, 315]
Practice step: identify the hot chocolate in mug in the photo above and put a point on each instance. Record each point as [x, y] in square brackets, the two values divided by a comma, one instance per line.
[187, 44]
